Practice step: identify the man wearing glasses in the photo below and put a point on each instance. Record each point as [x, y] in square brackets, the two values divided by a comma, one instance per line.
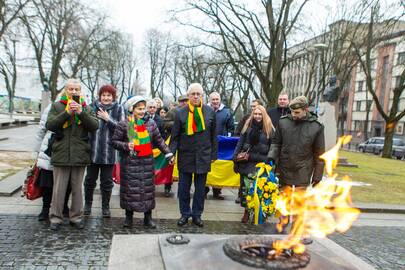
[194, 138]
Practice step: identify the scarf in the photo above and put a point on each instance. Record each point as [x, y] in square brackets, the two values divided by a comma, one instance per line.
[139, 135]
[65, 100]
[256, 130]
[195, 120]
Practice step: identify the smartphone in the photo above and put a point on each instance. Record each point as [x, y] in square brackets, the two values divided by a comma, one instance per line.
[76, 99]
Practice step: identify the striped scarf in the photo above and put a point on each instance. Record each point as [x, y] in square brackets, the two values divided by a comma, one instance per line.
[195, 120]
[139, 135]
[65, 100]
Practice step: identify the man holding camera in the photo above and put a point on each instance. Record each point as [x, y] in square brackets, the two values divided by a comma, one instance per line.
[71, 120]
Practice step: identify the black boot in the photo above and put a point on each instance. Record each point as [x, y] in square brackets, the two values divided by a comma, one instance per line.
[44, 215]
[105, 203]
[167, 190]
[147, 221]
[128, 219]
[88, 201]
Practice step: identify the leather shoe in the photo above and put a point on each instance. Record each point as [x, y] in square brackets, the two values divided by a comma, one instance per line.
[55, 226]
[182, 221]
[78, 225]
[198, 221]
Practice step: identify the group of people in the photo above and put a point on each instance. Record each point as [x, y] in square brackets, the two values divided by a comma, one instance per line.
[74, 136]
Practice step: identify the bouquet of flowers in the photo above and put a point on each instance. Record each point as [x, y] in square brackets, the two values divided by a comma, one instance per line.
[261, 193]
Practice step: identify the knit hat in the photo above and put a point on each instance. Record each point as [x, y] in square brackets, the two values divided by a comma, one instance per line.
[131, 102]
[299, 102]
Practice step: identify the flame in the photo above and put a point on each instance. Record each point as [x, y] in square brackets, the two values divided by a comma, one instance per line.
[317, 211]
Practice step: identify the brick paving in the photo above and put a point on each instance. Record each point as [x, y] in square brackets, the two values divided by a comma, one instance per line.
[26, 243]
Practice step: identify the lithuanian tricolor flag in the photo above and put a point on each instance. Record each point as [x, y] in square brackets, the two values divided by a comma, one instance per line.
[163, 170]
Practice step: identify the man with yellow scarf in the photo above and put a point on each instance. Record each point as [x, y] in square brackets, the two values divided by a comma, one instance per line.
[194, 138]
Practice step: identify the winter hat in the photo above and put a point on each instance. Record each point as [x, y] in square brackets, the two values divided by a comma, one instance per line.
[299, 102]
[131, 102]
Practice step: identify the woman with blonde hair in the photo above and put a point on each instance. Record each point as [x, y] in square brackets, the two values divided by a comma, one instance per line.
[255, 141]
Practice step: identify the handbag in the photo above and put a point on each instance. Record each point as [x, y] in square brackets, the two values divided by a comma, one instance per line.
[33, 190]
[243, 156]
[116, 173]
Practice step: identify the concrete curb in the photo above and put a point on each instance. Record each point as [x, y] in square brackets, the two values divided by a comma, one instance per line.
[13, 183]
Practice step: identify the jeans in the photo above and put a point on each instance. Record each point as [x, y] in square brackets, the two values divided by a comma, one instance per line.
[185, 180]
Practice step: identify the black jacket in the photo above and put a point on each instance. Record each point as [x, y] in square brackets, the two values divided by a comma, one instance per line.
[296, 148]
[276, 113]
[257, 153]
[195, 152]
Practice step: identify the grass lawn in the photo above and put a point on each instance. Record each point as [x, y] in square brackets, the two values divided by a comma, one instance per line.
[387, 177]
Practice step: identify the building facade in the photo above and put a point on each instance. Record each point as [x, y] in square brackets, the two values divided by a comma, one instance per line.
[310, 66]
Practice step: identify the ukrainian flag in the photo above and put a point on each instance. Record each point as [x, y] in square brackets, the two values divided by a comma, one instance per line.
[222, 174]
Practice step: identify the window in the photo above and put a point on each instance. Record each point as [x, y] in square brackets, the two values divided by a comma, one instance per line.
[369, 103]
[357, 126]
[398, 142]
[401, 58]
[372, 64]
[360, 86]
[379, 141]
[358, 106]
[399, 129]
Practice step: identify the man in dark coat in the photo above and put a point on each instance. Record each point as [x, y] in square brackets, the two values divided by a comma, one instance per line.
[225, 127]
[298, 143]
[281, 110]
[194, 137]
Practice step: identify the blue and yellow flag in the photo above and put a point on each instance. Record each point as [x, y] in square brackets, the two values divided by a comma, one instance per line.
[222, 174]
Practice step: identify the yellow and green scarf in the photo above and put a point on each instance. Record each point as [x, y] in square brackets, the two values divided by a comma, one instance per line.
[139, 135]
[66, 101]
[195, 120]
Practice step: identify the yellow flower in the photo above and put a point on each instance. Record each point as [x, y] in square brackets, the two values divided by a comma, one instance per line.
[266, 195]
[260, 182]
[248, 198]
[266, 188]
[251, 204]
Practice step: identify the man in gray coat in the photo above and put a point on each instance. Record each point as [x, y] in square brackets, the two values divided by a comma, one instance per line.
[194, 138]
[298, 143]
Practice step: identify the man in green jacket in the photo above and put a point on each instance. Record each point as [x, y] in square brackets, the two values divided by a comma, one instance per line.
[71, 120]
[296, 147]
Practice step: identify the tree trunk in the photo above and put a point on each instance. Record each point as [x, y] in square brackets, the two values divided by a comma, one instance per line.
[10, 103]
[389, 135]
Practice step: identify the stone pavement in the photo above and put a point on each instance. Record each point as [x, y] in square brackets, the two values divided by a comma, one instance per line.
[26, 243]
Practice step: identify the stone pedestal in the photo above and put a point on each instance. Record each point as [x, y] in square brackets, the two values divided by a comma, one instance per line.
[206, 252]
[327, 116]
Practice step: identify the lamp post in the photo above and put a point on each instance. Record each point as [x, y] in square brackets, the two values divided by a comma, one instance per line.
[319, 48]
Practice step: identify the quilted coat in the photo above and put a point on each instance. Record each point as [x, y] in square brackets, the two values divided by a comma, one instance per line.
[137, 189]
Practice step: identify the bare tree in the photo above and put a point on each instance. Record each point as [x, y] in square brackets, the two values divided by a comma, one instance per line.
[378, 29]
[8, 69]
[9, 11]
[157, 46]
[249, 40]
[49, 25]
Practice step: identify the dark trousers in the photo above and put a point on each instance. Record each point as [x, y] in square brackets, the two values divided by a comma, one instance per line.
[106, 181]
[47, 198]
[185, 180]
